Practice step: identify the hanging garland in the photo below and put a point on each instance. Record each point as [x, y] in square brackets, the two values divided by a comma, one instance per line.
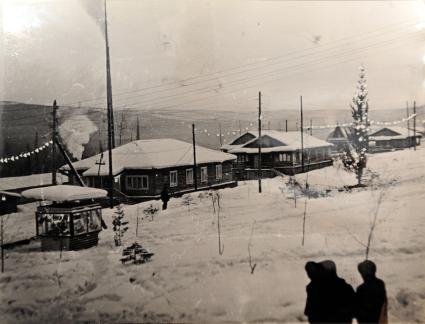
[252, 126]
[26, 154]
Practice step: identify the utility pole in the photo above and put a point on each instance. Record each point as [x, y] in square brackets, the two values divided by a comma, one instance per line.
[138, 129]
[414, 124]
[408, 122]
[286, 125]
[259, 142]
[311, 127]
[111, 133]
[121, 127]
[195, 175]
[1, 242]
[220, 135]
[54, 135]
[302, 134]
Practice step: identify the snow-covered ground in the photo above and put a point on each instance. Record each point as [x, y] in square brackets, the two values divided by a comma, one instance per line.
[188, 281]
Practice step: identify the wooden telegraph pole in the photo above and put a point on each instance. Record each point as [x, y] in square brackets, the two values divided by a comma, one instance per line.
[414, 124]
[54, 135]
[111, 133]
[195, 175]
[311, 127]
[302, 134]
[407, 117]
[286, 125]
[259, 142]
[220, 135]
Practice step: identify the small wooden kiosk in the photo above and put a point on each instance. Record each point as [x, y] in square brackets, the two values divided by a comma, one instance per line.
[71, 219]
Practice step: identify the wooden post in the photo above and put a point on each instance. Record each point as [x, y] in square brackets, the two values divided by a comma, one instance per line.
[111, 133]
[195, 176]
[408, 122]
[138, 129]
[68, 160]
[302, 134]
[54, 135]
[286, 125]
[259, 142]
[220, 135]
[414, 124]
[311, 127]
[1, 242]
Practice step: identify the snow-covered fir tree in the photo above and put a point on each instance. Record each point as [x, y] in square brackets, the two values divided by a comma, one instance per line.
[119, 225]
[356, 158]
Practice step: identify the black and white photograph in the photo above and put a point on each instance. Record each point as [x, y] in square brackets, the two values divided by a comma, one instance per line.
[212, 161]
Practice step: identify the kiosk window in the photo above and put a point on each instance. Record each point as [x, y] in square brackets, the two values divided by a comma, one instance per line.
[94, 220]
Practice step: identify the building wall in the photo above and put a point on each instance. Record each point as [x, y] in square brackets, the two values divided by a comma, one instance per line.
[160, 178]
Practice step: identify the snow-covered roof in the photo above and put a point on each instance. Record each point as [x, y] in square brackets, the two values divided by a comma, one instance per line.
[34, 180]
[64, 193]
[290, 141]
[150, 154]
[399, 133]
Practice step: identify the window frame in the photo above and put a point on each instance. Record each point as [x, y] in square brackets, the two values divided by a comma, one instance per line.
[204, 175]
[219, 175]
[174, 184]
[130, 185]
[190, 180]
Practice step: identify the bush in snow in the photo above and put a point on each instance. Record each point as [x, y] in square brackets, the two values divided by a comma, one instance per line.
[355, 158]
[119, 225]
[150, 212]
[187, 201]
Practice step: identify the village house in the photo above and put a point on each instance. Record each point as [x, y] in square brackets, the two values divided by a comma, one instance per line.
[281, 151]
[390, 138]
[341, 138]
[143, 168]
[381, 138]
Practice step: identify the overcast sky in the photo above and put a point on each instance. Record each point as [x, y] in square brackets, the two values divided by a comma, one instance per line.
[214, 54]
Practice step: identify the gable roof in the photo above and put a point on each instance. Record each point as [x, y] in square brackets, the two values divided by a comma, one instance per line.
[279, 142]
[150, 154]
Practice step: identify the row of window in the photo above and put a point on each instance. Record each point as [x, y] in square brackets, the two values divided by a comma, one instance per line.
[137, 182]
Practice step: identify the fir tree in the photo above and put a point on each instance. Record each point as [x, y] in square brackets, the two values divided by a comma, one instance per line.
[356, 158]
[119, 225]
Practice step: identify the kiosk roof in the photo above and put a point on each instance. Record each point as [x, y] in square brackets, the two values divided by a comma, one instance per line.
[64, 193]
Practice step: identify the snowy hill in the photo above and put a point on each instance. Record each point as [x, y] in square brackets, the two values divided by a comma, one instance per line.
[188, 281]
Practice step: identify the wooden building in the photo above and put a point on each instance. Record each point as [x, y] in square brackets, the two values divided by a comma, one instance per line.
[381, 138]
[390, 138]
[143, 168]
[281, 151]
[341, 138]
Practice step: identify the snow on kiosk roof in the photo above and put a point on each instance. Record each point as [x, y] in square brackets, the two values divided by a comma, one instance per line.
[151, 154]
[64, 193]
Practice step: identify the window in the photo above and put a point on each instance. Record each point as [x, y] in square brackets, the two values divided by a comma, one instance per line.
[242, 158]
[218, 172]
[137, 182]
[53, 224]
[284, 157]
[189, 176]
[204, 174]
[173, 178]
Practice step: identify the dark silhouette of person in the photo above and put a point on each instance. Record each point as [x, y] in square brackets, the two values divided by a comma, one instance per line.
[371, 296]
[165, 197]
[314, 304]
[338, 296]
